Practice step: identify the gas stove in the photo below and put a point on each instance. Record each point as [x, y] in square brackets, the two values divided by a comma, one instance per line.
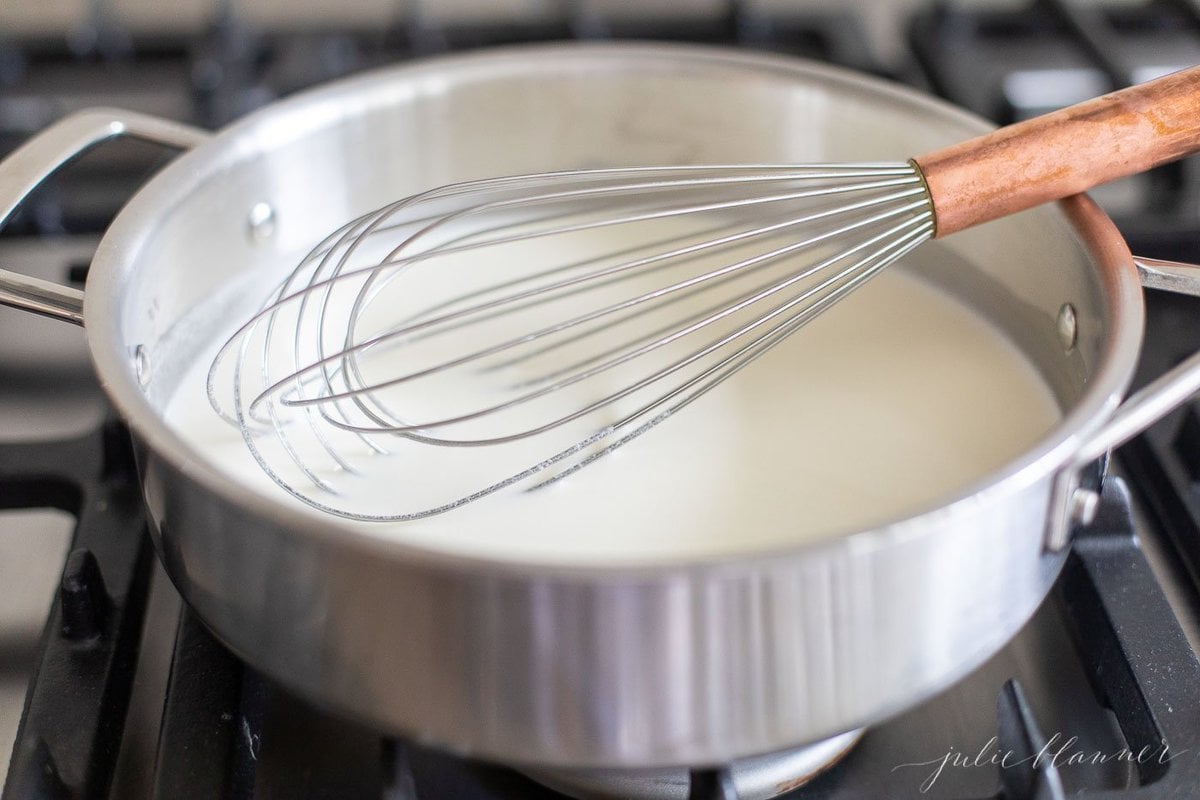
[127, 695]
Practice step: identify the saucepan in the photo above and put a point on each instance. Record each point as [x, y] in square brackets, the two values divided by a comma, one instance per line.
[632, 665]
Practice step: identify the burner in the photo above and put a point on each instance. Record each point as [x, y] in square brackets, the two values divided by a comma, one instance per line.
[755, 778]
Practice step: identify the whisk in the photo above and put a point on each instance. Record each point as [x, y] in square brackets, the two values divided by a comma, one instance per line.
[553, 318]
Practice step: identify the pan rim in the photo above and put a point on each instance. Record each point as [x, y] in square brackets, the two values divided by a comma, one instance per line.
[1119, 289]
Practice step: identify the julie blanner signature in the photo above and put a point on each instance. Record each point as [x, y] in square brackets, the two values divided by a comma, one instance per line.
[1059, 751]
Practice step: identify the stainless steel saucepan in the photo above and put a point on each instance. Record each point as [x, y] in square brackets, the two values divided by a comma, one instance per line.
[693, 662]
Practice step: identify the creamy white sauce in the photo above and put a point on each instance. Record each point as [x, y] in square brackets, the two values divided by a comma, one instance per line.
[886, 405]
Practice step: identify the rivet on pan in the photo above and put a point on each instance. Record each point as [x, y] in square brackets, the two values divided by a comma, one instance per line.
[141, 366]
[1067, 329]
[261, 222]
[1084, 505]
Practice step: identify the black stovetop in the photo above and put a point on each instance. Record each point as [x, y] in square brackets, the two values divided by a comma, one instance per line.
[1098, 697]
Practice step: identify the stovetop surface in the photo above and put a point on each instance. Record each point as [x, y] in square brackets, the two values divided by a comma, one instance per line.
[1098, 697]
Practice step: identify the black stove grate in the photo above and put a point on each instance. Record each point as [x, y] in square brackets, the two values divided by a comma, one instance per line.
[71, 728]
[226, 732]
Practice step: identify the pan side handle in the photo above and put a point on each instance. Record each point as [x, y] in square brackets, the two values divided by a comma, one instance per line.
[44, 154]
[1139, 411]
[1167, 392]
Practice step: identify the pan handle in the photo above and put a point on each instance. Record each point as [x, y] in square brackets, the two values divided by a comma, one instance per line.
[45, 153]
[1139, 411]
[1167, 392]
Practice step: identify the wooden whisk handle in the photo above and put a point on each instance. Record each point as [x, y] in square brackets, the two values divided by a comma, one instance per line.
[1065, 152]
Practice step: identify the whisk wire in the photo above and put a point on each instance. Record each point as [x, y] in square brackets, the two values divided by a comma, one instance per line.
[540, 292]
[316, 377]
[663, 341]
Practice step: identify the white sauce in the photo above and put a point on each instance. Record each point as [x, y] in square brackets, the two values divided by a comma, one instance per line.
[886, 405]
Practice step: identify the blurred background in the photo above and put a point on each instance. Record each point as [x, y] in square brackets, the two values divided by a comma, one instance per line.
[209, 62]
[883, 18]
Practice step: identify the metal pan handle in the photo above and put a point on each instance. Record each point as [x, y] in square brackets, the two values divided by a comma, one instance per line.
[45, 153]
[1167, 392]
[1139, 411]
